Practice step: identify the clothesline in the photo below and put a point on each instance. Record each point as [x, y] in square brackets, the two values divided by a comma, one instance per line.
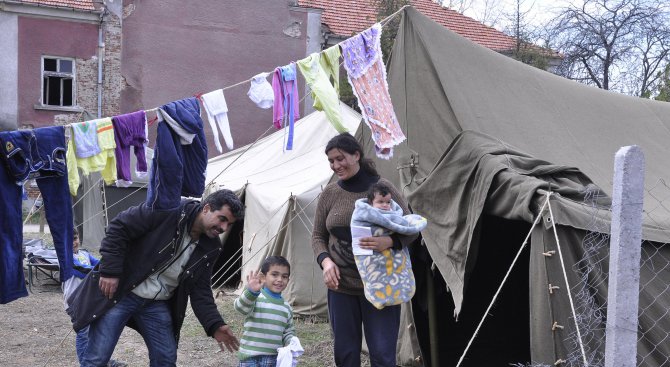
[383, 22]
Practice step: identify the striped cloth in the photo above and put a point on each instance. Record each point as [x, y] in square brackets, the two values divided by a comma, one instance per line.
[268, 323]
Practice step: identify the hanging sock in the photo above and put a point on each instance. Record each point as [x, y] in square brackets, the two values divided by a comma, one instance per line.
[324, 94]
[367, 76]
[217, 113]
[261, 92]
[130, 130]
[286, 109]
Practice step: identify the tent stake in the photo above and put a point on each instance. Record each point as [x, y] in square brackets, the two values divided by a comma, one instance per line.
[432, 320]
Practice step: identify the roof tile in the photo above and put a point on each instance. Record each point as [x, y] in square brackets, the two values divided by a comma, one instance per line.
[347, 17]
[73, 4]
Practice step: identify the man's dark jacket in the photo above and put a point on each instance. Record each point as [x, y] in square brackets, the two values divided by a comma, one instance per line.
[139, 241]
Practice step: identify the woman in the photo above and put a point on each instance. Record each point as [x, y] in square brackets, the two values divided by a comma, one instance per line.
[331, 240]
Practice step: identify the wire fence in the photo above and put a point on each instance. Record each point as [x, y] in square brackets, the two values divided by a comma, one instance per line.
[591, 292]
[654, 323]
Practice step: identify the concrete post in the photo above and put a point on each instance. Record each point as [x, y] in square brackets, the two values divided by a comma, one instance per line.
[625, 247]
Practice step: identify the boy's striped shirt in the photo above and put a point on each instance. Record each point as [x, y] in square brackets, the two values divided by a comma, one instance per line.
[268, 324]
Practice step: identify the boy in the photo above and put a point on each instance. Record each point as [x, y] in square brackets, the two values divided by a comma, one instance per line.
[268, 322]
[387, 276]
[82, 264]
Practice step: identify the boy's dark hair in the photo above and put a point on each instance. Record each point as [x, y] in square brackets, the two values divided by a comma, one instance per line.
[75, 232]
[274, 260]
[378, 188]
[218, 199]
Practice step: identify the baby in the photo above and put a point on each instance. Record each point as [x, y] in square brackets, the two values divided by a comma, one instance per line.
[387, 276]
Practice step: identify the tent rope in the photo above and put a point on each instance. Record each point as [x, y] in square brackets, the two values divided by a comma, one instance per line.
[52, 354]
[495, 296]
[567, 284]
[270, 240]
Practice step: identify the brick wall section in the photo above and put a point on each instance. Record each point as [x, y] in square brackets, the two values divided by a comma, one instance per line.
[112, 79]
[87, 85]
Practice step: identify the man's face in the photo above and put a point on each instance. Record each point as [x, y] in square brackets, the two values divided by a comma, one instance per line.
[215, 222]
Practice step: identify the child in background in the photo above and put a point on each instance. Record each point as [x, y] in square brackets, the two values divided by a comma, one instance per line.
[83, 262]
[268, 322]
[387, 276]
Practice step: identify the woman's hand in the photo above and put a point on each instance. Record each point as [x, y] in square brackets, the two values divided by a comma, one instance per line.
[378, 244]
[331, 273]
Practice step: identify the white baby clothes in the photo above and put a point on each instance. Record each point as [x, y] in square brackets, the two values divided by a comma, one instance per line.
[217, 113]
[86, 139]
[260, 91]
[288, 356]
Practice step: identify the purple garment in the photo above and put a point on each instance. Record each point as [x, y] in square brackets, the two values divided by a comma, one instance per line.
[130, 130]
[361, 51]
[286, 96]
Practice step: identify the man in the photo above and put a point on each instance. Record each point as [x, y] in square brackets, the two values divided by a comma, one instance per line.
[152, 262]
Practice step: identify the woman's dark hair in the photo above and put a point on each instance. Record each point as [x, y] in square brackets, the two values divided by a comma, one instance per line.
[349, 144]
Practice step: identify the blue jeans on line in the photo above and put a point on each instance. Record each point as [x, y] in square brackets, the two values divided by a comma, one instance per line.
[154, 324]
[27, 154]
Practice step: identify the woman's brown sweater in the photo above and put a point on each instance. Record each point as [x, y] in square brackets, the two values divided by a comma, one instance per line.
[332, 231]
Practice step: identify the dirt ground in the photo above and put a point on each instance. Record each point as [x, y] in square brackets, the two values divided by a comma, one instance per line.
[36, 331]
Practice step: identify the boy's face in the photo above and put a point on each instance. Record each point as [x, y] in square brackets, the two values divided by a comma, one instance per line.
[277, 278]
[75, 244]
[382, 201]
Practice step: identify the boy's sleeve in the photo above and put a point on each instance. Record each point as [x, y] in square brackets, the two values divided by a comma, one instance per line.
[289, 332]
[244, 304]
[94, 261]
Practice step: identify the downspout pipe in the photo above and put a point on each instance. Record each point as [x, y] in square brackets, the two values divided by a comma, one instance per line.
[101, 56]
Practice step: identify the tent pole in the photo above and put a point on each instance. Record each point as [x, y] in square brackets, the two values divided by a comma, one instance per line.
[432, 319]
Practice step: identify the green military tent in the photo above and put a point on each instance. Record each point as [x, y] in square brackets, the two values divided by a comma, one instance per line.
[488, 138]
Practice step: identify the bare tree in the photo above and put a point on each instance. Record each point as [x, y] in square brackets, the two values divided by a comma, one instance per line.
[613, 44]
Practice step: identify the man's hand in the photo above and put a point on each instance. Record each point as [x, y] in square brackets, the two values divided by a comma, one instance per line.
[108, 286]
[225, 336]
[378, 244]
[331, 273]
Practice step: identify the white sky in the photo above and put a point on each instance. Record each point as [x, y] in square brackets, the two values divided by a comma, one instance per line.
[495, 12]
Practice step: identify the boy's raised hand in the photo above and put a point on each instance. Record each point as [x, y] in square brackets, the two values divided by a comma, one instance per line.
[254, 281]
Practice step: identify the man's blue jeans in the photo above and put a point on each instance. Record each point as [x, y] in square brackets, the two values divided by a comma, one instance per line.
[80, 342]
[153, 321]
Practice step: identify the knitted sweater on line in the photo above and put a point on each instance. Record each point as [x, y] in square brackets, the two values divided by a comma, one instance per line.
[332, 231]
[268, 324]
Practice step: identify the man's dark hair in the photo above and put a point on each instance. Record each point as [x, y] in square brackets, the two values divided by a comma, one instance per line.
[218, 199]
[274, 260]
[378, 188]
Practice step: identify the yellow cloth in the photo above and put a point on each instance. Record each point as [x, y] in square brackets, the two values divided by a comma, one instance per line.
[324, 93]
[330, 63]
[103, 162]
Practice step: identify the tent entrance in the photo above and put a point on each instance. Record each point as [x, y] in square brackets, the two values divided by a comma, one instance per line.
[226, 271]
[505, 335]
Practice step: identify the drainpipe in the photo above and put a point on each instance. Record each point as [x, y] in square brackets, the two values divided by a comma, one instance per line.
[101, 56]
